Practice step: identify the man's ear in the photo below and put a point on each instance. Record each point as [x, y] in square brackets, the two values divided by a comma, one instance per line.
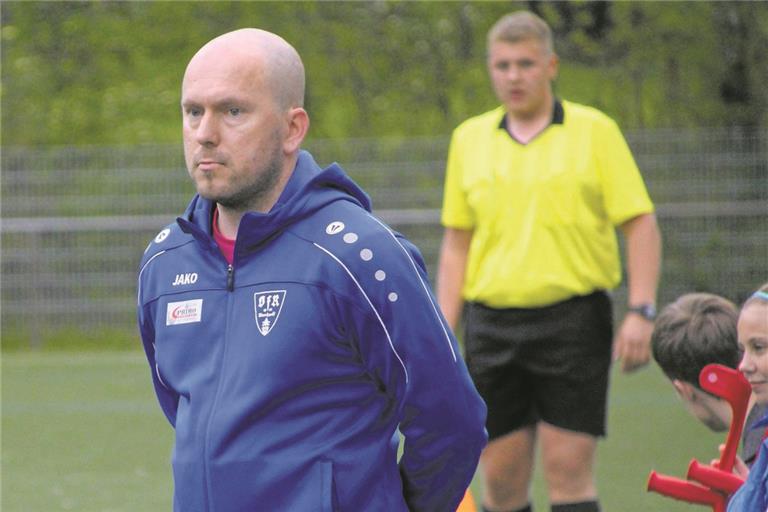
[685, 390]
[553, 66]
[298, 125]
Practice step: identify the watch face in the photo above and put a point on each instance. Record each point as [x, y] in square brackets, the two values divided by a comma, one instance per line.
[647, 311]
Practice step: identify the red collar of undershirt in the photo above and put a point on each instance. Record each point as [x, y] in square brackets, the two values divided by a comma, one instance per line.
[226, 245]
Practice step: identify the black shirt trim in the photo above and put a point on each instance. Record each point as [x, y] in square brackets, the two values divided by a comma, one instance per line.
[558, 116]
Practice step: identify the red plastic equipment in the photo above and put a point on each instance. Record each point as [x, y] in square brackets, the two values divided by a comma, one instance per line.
[733, 387]
[714, 478]
[718, 480]
[684, 490]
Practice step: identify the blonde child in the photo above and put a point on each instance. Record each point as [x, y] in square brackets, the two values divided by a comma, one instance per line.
[753, 341]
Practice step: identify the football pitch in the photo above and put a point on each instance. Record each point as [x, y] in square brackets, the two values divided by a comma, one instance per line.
[82, 432]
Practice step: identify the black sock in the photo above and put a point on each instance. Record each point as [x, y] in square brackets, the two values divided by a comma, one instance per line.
[582, 506]
[527, 508]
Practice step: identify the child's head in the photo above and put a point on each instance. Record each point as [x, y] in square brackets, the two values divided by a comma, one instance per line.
[690, 333]
[753, 341]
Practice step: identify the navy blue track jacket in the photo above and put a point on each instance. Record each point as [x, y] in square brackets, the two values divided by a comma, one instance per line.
[288, 374]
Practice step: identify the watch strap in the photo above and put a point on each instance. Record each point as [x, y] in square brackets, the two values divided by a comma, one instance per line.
[647, 311]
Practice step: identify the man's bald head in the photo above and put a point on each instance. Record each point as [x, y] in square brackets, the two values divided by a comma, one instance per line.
[260, 52]
[242, 119]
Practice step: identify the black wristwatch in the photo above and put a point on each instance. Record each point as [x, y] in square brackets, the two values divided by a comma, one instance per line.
[647, 311]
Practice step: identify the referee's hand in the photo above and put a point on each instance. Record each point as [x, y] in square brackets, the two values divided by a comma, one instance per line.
[632, 344]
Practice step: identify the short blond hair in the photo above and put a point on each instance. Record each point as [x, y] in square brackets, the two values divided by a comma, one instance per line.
[519, 26]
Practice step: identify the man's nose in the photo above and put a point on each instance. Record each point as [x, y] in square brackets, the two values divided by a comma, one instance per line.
[207, 132]
[513, 72]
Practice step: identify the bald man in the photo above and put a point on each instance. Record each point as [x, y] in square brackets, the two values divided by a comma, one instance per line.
[292, 336]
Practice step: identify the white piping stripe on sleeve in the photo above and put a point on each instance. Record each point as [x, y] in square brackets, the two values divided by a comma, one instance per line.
[157, 369]
[386, 332]
[138, 300]
[423, 284]
[160, 378]
[138, 293]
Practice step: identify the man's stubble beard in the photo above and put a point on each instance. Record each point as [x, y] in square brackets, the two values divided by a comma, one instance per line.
[250, 195]
[259, 188]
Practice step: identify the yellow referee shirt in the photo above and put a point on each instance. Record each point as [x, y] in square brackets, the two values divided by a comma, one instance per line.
[543, 213]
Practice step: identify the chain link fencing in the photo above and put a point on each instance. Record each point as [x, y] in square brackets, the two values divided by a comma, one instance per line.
[75, 220]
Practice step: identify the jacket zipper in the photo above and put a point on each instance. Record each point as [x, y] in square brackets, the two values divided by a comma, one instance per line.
[230, 288]
[230, 278]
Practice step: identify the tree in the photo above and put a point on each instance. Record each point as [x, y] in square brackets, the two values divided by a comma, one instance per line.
[109, 72]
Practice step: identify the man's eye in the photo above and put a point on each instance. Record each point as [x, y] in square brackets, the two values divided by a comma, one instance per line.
[235, 111]
[194, 112]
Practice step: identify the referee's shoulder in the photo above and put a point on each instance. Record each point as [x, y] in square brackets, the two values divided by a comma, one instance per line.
[586, 114]
[484, 121]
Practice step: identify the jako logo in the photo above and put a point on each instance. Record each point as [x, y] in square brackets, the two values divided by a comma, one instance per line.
[188, 278]
[185, 312]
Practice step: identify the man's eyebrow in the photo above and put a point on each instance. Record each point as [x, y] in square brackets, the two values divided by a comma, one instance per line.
[189, 103]
[221, 102]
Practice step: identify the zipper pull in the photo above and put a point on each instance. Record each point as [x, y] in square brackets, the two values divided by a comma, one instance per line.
[230, 277]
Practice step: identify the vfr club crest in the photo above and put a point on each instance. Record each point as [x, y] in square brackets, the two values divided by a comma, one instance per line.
[267, 306]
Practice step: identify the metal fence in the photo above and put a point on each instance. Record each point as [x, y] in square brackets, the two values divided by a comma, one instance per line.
[75, 220]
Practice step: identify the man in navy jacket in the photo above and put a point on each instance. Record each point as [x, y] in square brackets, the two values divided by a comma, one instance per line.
[292, 336]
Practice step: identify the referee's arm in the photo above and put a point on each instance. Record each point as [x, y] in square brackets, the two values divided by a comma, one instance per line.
[643, 259]
[450, 273]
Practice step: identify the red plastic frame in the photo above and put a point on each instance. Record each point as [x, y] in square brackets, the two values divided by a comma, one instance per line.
[718, 480]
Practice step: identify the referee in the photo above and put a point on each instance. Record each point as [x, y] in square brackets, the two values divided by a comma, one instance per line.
[534, 192]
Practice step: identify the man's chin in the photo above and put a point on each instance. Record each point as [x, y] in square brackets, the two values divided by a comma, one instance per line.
[717, 426]
[520, 109]
[206, 194]
[206, 191]
[224, 200]
[215, 198]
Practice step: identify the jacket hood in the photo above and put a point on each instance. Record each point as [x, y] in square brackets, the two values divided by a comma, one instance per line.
[309, 189]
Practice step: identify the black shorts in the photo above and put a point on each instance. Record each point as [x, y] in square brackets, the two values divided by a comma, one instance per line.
[548, 364]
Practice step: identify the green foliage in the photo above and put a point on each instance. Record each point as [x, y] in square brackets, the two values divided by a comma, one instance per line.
[109, 72]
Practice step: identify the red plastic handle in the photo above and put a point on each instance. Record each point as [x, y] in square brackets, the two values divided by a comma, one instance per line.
[714, 478]
[684, 490]
[730, 385]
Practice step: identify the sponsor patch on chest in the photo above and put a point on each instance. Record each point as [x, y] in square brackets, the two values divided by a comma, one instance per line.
[267, 307]
[185, 312]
